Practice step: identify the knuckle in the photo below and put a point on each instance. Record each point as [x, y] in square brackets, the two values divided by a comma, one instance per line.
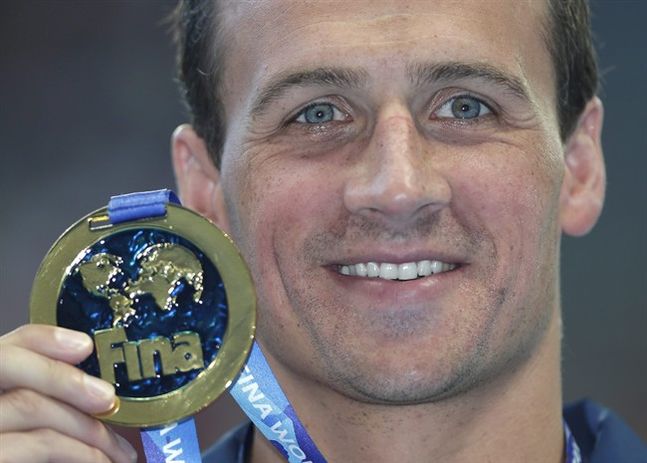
[59, 373]
[24, 401]
[45, 436]
[39, 440]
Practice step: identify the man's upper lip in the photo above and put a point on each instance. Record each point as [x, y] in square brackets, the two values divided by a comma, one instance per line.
[395, 257]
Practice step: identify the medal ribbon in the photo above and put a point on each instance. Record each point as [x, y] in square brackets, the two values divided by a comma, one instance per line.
[260, 396]
[177, 442]
[256, 390]
[572, 450]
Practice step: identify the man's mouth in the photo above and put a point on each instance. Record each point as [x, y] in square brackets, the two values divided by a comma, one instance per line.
[390, 271]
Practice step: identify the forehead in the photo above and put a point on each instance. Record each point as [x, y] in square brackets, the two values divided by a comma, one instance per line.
[267, 37]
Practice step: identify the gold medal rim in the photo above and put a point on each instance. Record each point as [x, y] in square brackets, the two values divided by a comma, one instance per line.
[241, 298]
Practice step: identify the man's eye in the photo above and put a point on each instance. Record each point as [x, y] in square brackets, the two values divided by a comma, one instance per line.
[320, 113]
[462, 107]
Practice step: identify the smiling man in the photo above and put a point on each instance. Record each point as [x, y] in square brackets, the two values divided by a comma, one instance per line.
[397, 175]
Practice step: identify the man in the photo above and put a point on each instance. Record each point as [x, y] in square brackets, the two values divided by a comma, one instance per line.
[397, 176]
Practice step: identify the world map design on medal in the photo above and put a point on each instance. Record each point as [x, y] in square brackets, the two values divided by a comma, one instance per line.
[162, 266]
[155, 305]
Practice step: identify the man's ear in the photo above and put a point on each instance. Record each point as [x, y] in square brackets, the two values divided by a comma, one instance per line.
[197, 177]
[582, 194]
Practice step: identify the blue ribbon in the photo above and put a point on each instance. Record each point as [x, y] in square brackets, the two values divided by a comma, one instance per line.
[134, 206]
[571, 449]
[175, 443]
[261, 398]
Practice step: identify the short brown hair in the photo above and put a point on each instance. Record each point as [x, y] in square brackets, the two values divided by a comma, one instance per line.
[200, 61]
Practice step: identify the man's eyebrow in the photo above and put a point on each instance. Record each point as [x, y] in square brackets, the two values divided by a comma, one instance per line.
[430, 73]
[324, 77]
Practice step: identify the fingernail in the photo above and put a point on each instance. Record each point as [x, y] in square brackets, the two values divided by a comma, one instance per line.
[127, 448]
[116, 405]
[99, 388]
[73, 340]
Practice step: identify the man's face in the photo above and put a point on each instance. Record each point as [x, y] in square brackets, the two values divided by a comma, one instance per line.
[390, 133]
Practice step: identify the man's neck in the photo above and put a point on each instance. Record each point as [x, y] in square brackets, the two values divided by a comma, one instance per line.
[514, 418]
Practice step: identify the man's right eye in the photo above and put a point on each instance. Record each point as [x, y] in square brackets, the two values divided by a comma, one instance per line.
[320, 113]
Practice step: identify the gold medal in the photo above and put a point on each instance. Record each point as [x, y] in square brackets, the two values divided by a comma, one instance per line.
[169, 303]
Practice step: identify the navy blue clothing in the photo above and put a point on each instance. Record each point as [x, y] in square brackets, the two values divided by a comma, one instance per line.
[600, 434]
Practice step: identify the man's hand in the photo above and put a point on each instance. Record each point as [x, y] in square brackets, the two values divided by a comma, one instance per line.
[46, 402]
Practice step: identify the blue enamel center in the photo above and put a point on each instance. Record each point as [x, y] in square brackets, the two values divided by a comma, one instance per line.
[125, 259]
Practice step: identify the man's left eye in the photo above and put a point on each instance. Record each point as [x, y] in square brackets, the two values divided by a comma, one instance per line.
[462, 107]
[320, 113]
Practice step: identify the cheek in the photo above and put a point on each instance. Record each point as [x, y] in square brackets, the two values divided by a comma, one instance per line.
[274, 207]
[513, 195]
[289, 204]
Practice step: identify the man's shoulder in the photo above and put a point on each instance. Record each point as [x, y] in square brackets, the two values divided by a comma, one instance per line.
[602, 436]
[233, 447]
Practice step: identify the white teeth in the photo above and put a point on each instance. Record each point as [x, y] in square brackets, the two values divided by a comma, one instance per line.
[360, 270]
[436, 266]
[407, 271]
[424, 268]
[372, 270]
[387, 271]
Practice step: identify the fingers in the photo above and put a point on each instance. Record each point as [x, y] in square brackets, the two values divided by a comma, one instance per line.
[25, 412]
[22, 368]
[45, 400]
[37, 357]
[52, 341]
[47, 446]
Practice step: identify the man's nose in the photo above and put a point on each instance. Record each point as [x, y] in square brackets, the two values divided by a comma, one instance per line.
[396, 177]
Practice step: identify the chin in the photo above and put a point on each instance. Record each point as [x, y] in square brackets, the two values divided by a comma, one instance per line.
[403, 390]
[428, 376]
[405, 382]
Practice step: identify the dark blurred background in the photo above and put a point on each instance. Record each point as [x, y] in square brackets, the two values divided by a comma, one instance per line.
[88, 102]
